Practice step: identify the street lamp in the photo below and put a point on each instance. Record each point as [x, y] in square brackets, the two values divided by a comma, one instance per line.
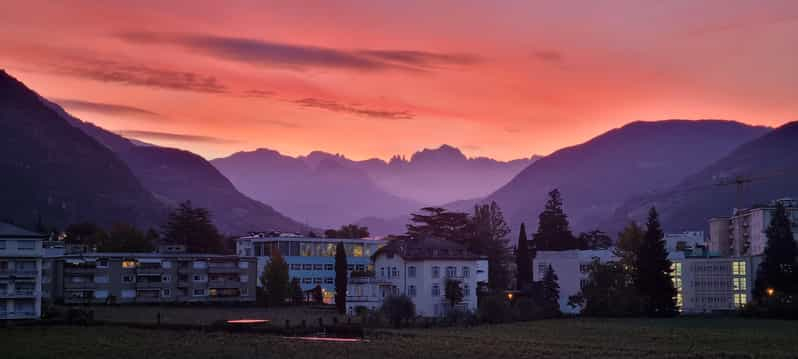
[770, 292]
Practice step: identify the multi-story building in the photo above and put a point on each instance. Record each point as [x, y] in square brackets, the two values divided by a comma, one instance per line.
[163, 277]
[20, 273]
[419, 269]
[571, 267]
[711, 284]
[743, 234]
[311, 260]
[684, 241]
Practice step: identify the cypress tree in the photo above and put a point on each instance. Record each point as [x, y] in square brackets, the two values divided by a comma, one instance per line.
[550, 293]
[553, 232]
[777, 270]
[275, 279]
[523, 261]
[653, 280]
[341, 277]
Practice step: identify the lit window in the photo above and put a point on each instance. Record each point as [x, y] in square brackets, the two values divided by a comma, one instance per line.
[128, 264]
[738, 268]
[739, 284]
[357, 250]
[740, 299]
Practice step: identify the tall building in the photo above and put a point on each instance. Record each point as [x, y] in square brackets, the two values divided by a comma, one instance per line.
[419, 269]
[684, 241]
[711, 284]
[743, 233]
[311, 260]
[20, 273]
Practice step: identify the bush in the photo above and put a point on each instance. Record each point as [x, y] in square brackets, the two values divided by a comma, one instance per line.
[528, 309]
[495, 309]
[398, 308]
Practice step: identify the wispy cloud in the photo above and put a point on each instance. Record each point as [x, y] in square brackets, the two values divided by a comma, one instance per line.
[334, 106]
[283, 124]
[170, 136]
[548, 56]
[299, 57]
[105, 108]
[258, 93]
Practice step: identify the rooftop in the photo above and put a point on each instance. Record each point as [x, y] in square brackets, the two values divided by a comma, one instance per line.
[11, 231]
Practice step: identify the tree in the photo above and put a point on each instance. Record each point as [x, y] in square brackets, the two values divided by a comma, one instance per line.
[126, 238]
[398, 308]
[607, 292]
[193, 228]
[522, 260]
[487, 236]
[653, 281]
[776, 276]
[435, 222]
[275, 279]
[550, 293]
[595, 239]
[553, 232]
[317, 294]
[453, 292]
[297, 294]
[629, 241]
[348, 231]
[341, 277]
[85, 233]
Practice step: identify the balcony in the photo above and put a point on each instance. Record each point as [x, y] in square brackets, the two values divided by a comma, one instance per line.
[148, 284]
[224, 284]
[149, 270]
[223, 269]
[79, 269]
[89, 284]
[26, 293]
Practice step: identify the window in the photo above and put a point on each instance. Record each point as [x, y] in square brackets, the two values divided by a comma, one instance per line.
[411, 271]
[307, 267]
[166, 292]
[306, 249]
[317, 280]
[244, 292]
[329, 267]
[350, 267]
[318, 267]
[394, 272]
[542, 268]
[166, 278]
[411, 291]
[360, 267]
[200, 264]
[199, 292]
[382, 272]
[166, 264]
[740, 299]
[101, 279]
[584, 267]
[243, 278]
[466, 272]
[101, 294]
[129, 264]
[466, 290]
[102, 263]
[436, 272]
[738, 268]
[26, 245]
[328, 280]
[128, 278]
[739, 284]
[2, 244]
[128, 293]
[307, 280]
[200, 278]
[436, 290]
[243, 265]
[451, 272]
[296, 267]
[357, 250]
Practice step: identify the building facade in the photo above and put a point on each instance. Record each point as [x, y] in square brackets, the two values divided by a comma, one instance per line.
[684, 241]
[713, 284]
[126, 278]
[311, 260]
[572, 268]
[743, 233]
[419, 269]
[20, 273]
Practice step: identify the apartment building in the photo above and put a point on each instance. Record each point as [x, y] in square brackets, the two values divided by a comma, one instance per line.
[419, 269]
[743, 233]
[20, 273]
[163, 277]
[572, 268]
[311, 260]
[684, 241]
[712, 284]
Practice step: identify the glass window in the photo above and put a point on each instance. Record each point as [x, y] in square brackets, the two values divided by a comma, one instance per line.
[318, 266]
[199, 292]
[128, 264]
[350, 267]
[200, 264]
[328, 280]
[101, 279]
[166, 264]
[382, 272]
[307, 267]
[296, 266]
[357, 250]
[317, 280]
[739, 284]
[394, 272]
[360, 267]
[451, 272]
[102, 263]
[294, 249]
[411, 290]
[466, 272]
[330, 252]
[307, 280]
[466, 290]
[436, 272]
[319, 249]
[436, 290]
[166, 292]
[329, 267]
[411, 271]
[306, 249]
[284, 250]
[127, 278]
[2, 244]
[26, 245]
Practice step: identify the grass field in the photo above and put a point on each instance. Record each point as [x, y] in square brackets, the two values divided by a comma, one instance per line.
[631, 338]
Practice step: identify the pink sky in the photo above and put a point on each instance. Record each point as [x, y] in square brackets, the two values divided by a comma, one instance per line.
[504, 79]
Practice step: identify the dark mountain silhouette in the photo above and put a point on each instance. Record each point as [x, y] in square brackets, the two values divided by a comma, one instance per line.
[174, 176]
[321, 189]
[771, 161]
[53, 173]
[598, 176]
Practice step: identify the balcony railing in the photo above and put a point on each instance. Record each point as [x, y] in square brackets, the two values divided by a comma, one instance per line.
[224, 284]
[223, 269]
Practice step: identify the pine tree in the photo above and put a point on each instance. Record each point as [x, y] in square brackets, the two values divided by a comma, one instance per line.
[275, 279]
[778, 268]
[192, 227]
[553, 232]
[653, 280]
[453, 292]
[550, 293]
[487, 236]
[522, 260]
[341, 277]
[297, 294]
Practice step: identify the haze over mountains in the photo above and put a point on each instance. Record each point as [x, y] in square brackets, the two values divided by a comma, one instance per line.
[330, 190]
[68, 171]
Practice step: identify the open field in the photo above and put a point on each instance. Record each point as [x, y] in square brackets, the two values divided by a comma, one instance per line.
[679, 337]
[208, 314]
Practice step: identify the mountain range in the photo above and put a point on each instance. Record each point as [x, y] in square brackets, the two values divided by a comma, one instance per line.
[330, 190]
[92, 174]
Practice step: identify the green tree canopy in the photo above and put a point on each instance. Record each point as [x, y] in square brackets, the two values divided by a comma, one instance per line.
[595, 239]
[608, 292]
[488, 236]
[554, 233]
[437, 222]
[348, 231]
[629, 241]
[453, 292]
[275, 279]
[398, 308]
[523, 262]
[126, 238]
[653, 282]
[550, 293]
[341, 278]
[192, 227]
[778, 268]
[85, 233]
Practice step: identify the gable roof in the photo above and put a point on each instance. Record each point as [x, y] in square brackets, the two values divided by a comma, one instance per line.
[12, 231]
[427, 248]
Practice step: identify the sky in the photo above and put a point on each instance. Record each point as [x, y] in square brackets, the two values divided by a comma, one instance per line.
[503, 79]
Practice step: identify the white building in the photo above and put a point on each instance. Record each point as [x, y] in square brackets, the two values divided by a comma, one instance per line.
[419, 269]
[20, 273]
[744, 232]
[571, 267]
[687, 240]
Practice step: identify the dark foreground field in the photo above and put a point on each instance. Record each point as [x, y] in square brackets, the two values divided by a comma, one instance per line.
[681, 337]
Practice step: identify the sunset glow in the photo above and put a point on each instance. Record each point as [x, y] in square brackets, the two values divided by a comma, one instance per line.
[367, 79]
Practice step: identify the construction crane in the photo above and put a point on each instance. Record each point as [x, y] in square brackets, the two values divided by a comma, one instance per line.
[740, 181]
